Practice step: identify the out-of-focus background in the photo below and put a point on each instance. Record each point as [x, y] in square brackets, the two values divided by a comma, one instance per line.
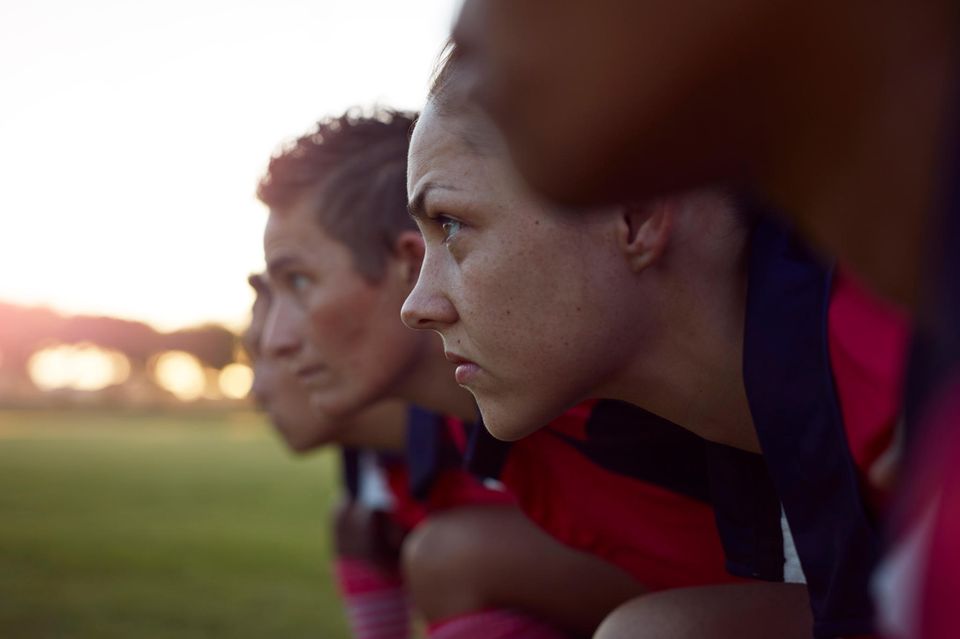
[140, 494]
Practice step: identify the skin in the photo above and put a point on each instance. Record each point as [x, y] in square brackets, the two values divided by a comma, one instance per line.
[359, 531]
[746, 611]
[820, 106]
[502, 272]
[450, 545]
[516, 287]
[324, 313]
[338, 333]
[287, 405]
[302, 429]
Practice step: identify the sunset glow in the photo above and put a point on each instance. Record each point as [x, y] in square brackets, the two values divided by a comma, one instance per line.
[235, 381]
[133, 135]
[81, 367]
[181, 374]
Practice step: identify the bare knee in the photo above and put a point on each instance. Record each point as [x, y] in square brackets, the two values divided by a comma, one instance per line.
[741, 611]
[441, 564]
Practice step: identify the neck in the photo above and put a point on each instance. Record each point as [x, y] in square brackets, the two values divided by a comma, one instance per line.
[693, 377]
[431, 385]
[855, 156]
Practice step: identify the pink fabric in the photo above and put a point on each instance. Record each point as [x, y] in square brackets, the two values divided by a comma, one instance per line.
[374, 600]
[929, 507]
[940, 614]
[493, 624]
[868, 348]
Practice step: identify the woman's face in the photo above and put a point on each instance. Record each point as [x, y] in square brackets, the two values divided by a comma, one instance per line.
[529, 300]
[338, 333]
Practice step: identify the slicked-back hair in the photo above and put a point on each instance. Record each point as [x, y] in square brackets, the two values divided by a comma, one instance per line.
[353, 169]
[441, 88]
[449, 96]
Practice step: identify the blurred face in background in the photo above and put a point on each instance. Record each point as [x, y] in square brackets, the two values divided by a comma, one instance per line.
[275, 390]
[533, 303]
[337, 332]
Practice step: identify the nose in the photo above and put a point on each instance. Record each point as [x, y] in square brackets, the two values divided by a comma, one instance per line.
[282, 334]
[427, 307]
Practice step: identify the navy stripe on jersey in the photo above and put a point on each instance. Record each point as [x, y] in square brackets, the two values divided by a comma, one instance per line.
[622, 439]
[486, 455]
[350, 468]
[792, 399]
[429, 450]
[628, 440]
[747, 511]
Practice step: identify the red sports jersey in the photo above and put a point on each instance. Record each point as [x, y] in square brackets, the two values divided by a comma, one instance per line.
[920, 581]
[663, 538]
[581, 480]
[868, 347]
[823, 364]
[432, 477]
[940, 587]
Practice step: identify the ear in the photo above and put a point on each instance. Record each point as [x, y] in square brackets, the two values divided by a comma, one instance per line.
[644, 231]
[408, 251]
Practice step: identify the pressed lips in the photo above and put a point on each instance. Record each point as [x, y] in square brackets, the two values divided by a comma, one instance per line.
[308, 373]
[466, 370]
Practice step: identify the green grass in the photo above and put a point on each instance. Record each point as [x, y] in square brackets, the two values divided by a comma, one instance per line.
[133, 525]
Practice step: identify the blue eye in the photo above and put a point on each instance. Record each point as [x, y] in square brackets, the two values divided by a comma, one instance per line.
[450, 227]
[298, 282]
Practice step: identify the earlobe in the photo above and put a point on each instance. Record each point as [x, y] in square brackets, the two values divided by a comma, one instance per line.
[409, 251]
[644, 231]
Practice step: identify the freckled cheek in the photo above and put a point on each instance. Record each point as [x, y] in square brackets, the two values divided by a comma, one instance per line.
[499, 314]
[483, 297]
[549, 318]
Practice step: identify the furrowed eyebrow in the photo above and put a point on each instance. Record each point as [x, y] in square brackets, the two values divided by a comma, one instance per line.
[416, 205]
[279, 264]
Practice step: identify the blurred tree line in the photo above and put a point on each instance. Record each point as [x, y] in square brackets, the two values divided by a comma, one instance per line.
[27, 330]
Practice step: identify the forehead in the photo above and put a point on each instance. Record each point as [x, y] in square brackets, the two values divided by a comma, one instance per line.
[456, 150]
[294, 232]
[434, 145]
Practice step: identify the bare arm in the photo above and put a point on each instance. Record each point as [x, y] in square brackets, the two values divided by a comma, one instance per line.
[757, 610]
[471, 558]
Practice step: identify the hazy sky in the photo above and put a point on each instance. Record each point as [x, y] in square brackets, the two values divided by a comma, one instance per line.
[132, 135]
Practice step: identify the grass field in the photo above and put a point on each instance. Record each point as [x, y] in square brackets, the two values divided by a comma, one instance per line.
[133, 525]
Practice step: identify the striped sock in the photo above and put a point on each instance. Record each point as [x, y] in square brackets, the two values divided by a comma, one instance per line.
[375, 601]
[493, 624]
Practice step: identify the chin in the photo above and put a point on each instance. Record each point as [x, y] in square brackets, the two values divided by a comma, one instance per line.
[300, 445]
[507, 424]
[332, 406]
[294, 438]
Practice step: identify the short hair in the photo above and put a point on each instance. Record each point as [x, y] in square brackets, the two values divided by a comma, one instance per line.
[354, 167]
[443, 91]
[449, 95]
